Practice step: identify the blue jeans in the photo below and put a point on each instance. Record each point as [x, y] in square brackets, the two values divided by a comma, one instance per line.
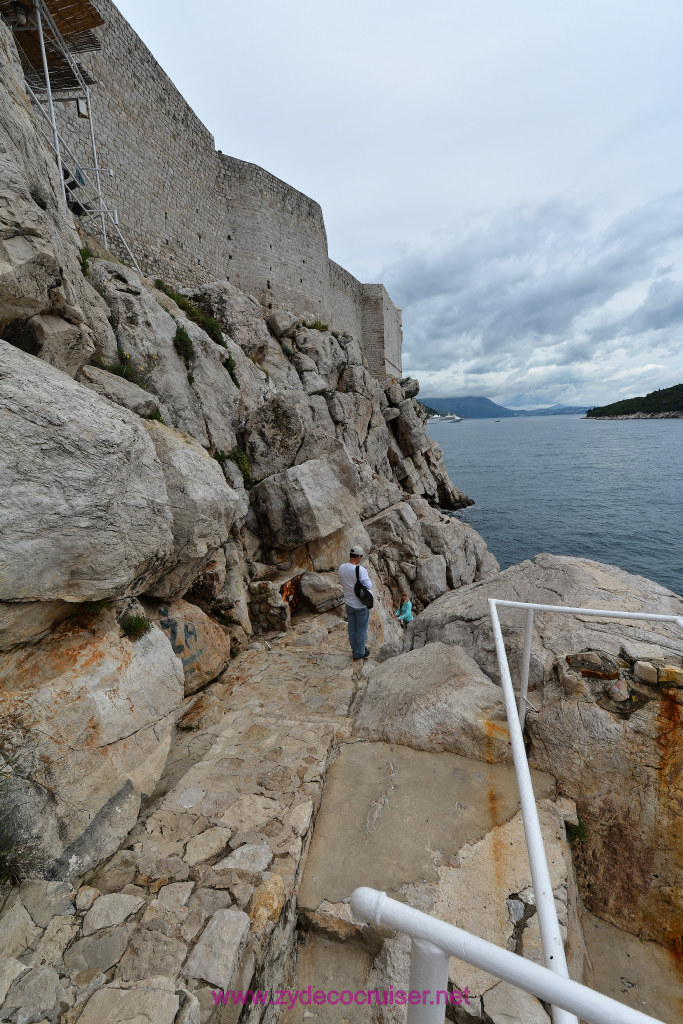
[358, 629]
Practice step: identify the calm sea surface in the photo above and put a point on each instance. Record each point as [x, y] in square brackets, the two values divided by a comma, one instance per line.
[611, 490]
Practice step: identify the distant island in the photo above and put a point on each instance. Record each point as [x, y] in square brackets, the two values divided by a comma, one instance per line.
[478, 408]
[666, 403]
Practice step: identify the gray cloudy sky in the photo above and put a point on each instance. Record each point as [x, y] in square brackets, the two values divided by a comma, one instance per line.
[510, 170]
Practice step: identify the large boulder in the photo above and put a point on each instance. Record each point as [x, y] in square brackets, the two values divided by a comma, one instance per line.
[203, 507]
[196, 390]
[241, 317]
[307, 502]
[86, 718]
[119, 390]
[283, 432]
[201, 644]
[624, 770]
[435, 698]
[461, 617]
[84, 503]
[612, 744]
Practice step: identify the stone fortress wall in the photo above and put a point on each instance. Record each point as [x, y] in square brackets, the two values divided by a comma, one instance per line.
[192, 214]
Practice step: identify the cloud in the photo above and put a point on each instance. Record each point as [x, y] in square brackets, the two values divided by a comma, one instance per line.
[546, 303]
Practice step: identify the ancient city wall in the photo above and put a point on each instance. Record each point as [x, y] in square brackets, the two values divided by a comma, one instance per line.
[382, 332]
[344, 300]
[192, 214]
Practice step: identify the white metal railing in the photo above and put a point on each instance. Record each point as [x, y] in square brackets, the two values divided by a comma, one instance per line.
[433, 941]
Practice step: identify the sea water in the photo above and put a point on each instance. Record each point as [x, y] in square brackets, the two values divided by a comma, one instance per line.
[610, 490]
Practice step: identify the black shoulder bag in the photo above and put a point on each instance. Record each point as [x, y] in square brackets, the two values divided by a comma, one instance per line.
[362, 592]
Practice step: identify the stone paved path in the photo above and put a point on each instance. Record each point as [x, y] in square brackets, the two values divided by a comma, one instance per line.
[201, 894]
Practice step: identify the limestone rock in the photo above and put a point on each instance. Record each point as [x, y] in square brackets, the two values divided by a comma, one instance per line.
[620, 767]
[110, 910]
[623, 774]
[249, 811]
[473, 892]
[281, 322]
[47, 307]
[91, 714]
[202, 505]
[325, 351]
[461, 617]
[322, 593]
[206, 845]
[435, 698]
[149, 953]
[45, 900]
[85, 508]
[506, 1004]
[276, 431]
[394, 394]
[239, 315]
[55, 939]
[24, 622]
[112, 1005]
[431, 581]
[98, 952]
[410, 387]
[467, 557]
[119, 390]
[251, 858]
[216, 955]
[201, 644]
[37, 993]
[9, 970]
[307, 502]
[410, 430]
[17, 930]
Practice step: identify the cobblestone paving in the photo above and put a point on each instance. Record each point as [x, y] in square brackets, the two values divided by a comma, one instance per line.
[201, 894]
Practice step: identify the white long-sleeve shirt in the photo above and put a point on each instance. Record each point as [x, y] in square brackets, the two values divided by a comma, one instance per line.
[347, 578]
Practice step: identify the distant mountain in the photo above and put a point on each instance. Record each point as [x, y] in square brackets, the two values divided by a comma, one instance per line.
[475, 408]
[665, 402]
[470, 407]
[554, 410]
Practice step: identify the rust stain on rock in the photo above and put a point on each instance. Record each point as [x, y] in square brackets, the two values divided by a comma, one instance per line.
[497, 847]
[494, 731]
[669, 740]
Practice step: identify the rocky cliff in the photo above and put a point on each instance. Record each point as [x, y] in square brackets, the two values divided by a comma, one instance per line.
[182, 473]
[151, 461]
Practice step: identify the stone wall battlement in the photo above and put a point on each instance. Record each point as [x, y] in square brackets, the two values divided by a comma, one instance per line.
[192, 214]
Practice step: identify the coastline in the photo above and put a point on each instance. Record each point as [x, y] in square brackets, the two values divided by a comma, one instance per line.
[640, 416]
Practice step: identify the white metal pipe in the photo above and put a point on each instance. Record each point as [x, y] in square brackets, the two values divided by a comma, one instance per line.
[605, 613]
[46, 72]
[551, 937]
[526, 661]
[428, 976]
[98, 183]
[370, 905]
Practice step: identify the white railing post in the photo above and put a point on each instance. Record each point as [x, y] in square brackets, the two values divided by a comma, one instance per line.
[46, 71]
[428, 977]
[549, 926]
[372, 906]
[526, 661]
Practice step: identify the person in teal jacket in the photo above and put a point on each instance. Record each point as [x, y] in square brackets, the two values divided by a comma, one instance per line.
[405, 610]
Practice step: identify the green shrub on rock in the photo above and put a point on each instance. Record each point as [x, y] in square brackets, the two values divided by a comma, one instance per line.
[135, 626]
[182, 343]
[197, 315]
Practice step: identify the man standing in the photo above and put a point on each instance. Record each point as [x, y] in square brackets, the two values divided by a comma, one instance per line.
[356, 612]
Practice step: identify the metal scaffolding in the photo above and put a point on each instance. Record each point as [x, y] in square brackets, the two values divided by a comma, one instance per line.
[47, 34]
